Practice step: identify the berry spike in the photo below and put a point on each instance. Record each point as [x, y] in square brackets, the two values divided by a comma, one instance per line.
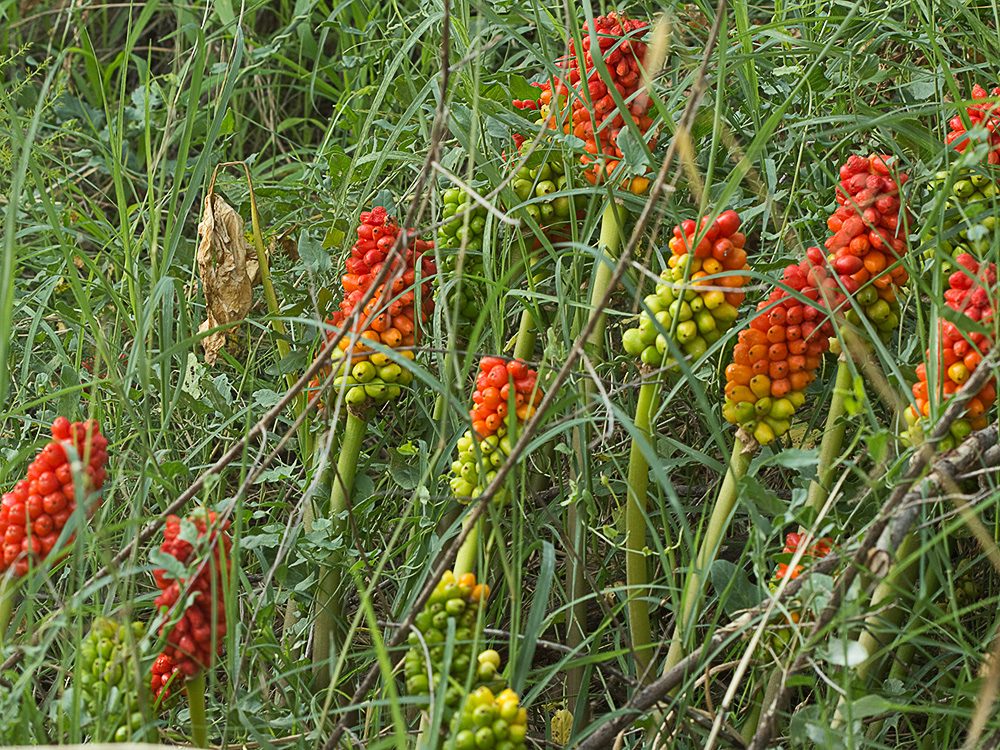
[869, 239]
[779, 353]
[695, 294]
[486, 446]
[972, 293]
[195, 637]
[108, 680]
[33, 514]
[488, 720]
[463, 233]
[393, 317]
[970, 223]
[581, 103]
[454, 597]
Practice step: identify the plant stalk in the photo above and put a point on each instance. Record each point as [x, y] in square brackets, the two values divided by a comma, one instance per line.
[833, 438]
[707, 551]
[612, 223]
[7, 595]
[328, 606]
[196, 688]
[636, 566]
[465, 560]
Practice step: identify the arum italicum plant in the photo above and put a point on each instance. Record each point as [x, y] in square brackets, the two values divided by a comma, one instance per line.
[692, 308]
[393, 318]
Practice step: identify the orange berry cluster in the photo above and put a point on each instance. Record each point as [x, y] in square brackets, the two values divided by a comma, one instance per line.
[33, 514]
[390, 317]
[869, 238]
[777, 356]
[692, 294]
[592, 115]
[820, 548]
[197, 635]
[971, 293]
[980, 116]
[492, 394]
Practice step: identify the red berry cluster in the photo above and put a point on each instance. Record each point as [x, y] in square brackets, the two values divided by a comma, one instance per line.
[972, 292]
[820, 548]
[203, 624]
[33, 514]
[778, 355]
[981, 116]
[869, 227]
[162, 680]
[492, 394]
[593, 115]
[391, 316]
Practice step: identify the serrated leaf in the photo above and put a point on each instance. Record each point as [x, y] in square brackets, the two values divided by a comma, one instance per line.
[633, 152]
[314, 256]
[173, 567]
[266, 398]
[171, 469]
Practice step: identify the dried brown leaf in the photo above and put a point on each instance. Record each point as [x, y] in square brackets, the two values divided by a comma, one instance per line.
[224, 262]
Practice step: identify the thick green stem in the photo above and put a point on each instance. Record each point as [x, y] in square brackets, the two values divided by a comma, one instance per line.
[833, 438]
[465, 560]
[7, 596]
[707, 551]
[612, 223]
[774, 681]
[527, 334]
[636, 567]
[328, 606]
[196, 688]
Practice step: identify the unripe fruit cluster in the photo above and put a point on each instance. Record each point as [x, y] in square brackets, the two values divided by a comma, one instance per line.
[694, 295]
[390, 317]
[484, 448]
[460, 599]
[777, 356]
[490, 722]
[972, 293]
[869, 238]
[463, 233]
[820, 548]
[970, 225]
[196, 637]
[33, 514]
[107, 659]
[592, 114]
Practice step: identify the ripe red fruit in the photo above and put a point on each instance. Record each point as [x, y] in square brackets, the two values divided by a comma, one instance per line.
[34, 513]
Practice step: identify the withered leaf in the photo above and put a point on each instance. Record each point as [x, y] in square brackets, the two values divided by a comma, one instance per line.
[224, 262]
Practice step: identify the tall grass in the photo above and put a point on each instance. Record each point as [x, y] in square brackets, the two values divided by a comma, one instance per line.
[112, 120]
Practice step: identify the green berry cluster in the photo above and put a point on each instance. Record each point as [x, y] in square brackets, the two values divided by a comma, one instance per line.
[489, 722]
[970, 224]
[538, 185]
[698, 326]
[466, 227]
[377, 378]
[109, 684]
[477, 464]
[458, 599]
